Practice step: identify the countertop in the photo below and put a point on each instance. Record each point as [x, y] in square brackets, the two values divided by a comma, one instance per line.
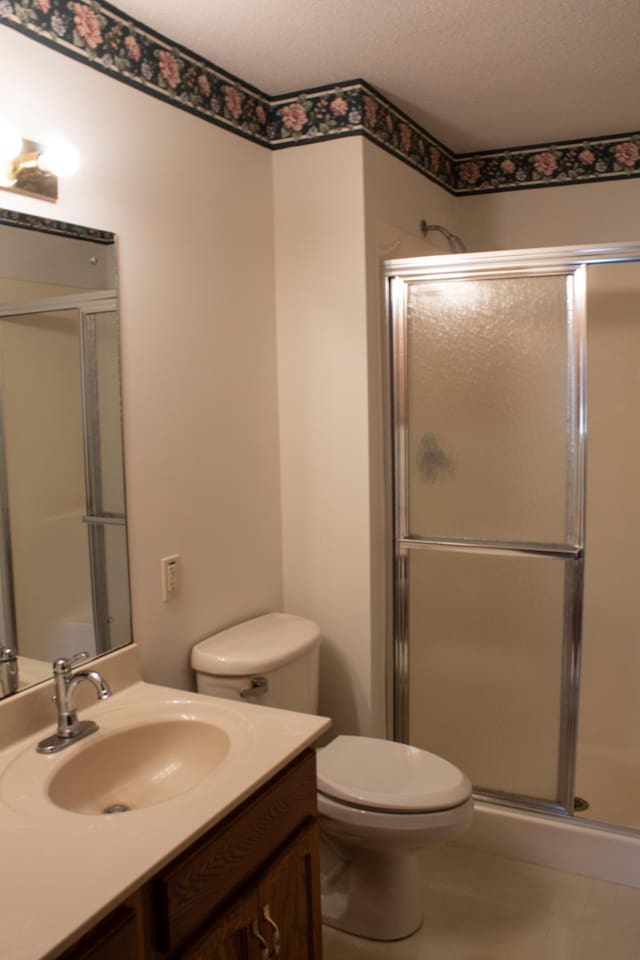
[61, 871]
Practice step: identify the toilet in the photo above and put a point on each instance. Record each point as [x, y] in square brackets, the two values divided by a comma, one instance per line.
[379, 802]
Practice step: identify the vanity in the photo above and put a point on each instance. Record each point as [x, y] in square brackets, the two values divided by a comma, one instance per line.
[216, 856]
[248, 888]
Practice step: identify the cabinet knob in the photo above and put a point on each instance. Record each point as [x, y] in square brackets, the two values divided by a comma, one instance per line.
[266, 913]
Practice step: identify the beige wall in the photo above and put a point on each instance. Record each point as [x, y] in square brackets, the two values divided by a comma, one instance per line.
[400, 197]
[192, 208]
[53, 265]
[554, 216]
[323, 375]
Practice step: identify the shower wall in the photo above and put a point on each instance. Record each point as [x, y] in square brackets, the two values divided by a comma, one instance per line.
[608, 768]
[521, 219]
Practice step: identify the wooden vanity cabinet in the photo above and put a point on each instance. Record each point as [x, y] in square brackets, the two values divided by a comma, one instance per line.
[118, 935]
[272, 917]
[247, 890]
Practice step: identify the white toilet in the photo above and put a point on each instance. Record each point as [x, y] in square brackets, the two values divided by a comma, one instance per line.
[379, 801]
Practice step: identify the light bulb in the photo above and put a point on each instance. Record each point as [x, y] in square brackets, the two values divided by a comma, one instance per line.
[10, 143]
[59, 158]
[7, 179]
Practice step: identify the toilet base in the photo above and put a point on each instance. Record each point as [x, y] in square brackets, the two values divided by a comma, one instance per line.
[375, 894]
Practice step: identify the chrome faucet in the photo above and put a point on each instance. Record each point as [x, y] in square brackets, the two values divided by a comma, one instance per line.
[8, 671]
[70, 729]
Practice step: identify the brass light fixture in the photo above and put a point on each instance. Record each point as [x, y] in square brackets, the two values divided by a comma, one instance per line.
[33, 168]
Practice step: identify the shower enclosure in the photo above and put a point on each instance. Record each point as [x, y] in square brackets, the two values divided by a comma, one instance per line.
[63, 549]
[516, 639]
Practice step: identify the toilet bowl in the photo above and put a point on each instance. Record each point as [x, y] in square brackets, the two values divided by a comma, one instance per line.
[379, 802]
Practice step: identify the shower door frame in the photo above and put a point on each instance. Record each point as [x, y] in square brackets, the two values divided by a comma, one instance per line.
[96, 517]
[552, 261]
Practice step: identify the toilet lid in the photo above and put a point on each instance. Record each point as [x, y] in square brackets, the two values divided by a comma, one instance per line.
[255, 646]
[384, 775]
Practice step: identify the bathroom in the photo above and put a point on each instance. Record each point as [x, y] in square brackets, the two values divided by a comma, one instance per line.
[240, 287]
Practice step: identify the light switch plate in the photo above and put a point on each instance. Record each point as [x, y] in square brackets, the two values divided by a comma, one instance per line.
[169, 569]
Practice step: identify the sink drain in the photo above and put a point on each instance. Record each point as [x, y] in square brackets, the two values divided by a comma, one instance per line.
[117, 808]
[580, 805]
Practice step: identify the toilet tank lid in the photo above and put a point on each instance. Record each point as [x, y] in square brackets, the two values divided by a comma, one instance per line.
[385, 775]
[255, 646]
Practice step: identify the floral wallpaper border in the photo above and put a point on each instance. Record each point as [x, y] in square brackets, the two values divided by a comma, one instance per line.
[106, 39]
[110, 41]
[28, 221]
[543, 165]
[352, 108]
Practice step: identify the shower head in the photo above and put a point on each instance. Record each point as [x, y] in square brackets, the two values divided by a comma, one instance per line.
[455, 243]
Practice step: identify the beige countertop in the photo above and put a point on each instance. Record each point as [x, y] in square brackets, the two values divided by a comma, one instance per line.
[61, 870]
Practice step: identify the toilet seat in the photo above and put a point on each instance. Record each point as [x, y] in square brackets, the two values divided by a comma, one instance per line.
[387, 777]
[380, 827]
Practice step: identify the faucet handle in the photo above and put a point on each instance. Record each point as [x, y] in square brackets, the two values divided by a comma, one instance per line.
[65, 665]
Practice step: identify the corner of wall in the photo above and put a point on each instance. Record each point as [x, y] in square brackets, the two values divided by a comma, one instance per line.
[322, 376]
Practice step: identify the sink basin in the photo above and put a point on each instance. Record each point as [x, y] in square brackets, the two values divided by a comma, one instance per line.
[138, 766]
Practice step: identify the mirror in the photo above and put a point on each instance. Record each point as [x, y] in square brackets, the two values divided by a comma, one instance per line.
[64, 583]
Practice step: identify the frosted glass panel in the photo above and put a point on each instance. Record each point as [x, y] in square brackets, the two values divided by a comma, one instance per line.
[485, 665]
[487, 400]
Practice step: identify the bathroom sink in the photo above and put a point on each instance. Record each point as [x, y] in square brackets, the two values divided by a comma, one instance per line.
[138, 766]
[171, 757]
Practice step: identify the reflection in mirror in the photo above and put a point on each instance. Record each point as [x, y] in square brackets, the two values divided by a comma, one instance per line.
[63, 545]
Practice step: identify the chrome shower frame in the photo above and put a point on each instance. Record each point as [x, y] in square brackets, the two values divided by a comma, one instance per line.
[570, 262]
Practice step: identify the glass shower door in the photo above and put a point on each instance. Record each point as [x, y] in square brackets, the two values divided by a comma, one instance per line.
[488, 522]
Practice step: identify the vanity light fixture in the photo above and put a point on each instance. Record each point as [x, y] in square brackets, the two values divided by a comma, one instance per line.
[33, 168]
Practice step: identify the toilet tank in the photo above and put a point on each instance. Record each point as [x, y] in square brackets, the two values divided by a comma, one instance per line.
[271, 660]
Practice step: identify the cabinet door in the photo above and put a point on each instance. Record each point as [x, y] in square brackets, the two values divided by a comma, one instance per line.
[188, 891]
[289, 899]
[229, 936]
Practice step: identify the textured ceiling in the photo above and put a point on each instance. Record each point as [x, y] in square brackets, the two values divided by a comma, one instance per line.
[478, 74]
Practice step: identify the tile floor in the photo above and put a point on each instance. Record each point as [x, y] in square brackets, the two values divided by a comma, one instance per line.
[481, 907]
